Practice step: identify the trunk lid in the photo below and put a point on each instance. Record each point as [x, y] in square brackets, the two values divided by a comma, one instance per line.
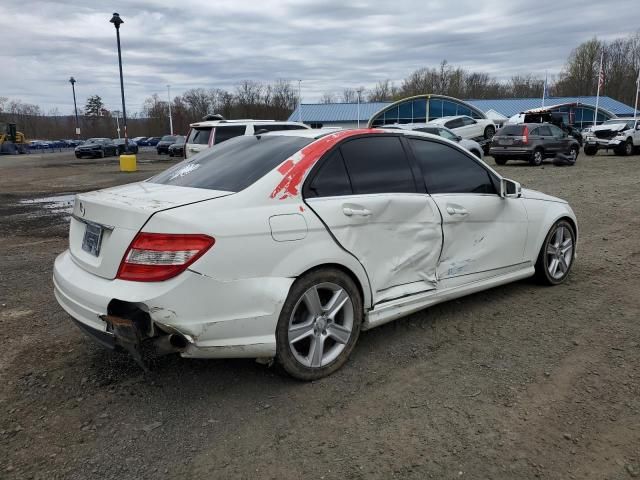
[105, 222]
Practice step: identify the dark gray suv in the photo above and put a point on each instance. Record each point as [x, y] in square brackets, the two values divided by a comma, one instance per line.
[532, 142]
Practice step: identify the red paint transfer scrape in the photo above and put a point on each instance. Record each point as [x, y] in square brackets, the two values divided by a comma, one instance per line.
[294, 169]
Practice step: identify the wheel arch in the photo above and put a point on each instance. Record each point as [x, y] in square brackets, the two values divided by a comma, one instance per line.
[365, 294]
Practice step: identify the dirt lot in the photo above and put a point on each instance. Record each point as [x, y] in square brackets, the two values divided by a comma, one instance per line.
[518, 382]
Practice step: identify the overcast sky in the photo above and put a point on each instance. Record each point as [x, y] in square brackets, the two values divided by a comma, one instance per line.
[328, 44]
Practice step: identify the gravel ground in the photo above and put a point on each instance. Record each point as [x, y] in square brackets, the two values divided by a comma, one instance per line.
[518, 382]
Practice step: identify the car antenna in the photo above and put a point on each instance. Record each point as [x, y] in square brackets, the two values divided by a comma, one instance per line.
[260, 132]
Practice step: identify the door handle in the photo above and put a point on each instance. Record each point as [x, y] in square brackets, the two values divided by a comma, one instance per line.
[451, 210]
[356, 211]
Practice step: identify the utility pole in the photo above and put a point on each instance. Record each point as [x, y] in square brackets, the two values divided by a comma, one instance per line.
[170, 119]
[72, 81]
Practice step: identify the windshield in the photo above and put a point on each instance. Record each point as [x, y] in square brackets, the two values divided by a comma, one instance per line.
[95, 140]
[168, 138]
[448, 134]
[233, 165]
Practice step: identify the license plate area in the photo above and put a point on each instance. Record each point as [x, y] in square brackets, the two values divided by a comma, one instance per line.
[92, 239]
[506, 141]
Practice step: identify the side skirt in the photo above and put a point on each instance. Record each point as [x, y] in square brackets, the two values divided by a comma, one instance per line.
[392, 310]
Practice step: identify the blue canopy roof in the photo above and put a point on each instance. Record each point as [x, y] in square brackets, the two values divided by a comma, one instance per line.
[348, 112]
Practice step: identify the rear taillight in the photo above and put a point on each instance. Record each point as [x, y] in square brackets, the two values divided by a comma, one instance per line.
[525, 135]
[154, 257]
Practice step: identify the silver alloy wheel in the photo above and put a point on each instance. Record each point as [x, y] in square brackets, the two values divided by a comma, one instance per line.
[560, 252]
[573, 154]
[320, 325]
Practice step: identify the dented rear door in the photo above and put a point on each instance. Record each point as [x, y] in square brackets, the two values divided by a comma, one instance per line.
[365, 193]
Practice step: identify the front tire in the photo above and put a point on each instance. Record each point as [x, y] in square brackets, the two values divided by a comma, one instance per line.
[500, 160]
[590, 150]
[319, 324]
[489, 132]
[556, 254]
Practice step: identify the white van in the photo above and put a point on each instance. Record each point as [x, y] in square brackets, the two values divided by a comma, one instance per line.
[207, 133]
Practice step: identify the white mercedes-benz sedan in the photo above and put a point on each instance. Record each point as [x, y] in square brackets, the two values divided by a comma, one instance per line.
[287, 245]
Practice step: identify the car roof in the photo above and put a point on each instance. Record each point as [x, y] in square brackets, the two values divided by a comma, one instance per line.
[243, 121]
[316, 133]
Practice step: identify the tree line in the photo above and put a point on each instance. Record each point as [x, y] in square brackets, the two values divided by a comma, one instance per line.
[254, 99]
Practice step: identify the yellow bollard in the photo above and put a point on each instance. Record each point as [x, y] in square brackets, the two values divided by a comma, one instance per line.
[128, 163]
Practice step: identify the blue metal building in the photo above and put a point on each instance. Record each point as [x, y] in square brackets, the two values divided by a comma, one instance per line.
[579, 111]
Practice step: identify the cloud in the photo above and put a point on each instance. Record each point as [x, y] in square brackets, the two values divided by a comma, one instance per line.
[329, 44]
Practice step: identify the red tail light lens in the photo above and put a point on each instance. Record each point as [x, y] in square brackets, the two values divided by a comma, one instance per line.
[154, 257]
[525, 135]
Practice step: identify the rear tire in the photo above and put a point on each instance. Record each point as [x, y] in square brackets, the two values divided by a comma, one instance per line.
[573, 153]
[556, 255]
[500, 160]
[314, 339]
[536, 157]
[590, 150]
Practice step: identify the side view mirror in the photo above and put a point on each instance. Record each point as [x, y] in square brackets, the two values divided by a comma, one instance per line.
[510, 189]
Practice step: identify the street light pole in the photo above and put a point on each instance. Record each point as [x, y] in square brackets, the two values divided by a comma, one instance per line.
[170, 119]
[117, 21]
[72, 81]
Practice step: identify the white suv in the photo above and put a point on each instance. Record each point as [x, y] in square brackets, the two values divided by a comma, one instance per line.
[204, 134]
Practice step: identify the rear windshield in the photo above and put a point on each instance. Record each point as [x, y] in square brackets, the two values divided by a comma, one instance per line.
[168, 138]
[199, 135]
[233, 165]
[511, 130]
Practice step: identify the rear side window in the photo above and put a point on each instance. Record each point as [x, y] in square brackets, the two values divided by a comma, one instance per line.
[377, 165]
[511, 130]
[199, 135]
[468, 121]
[455, 123]
[331, 180]
[233, 165]
[225, 133]
[448, 170]
[544, 131]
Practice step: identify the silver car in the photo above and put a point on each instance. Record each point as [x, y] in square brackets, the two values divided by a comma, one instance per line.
[471, 145]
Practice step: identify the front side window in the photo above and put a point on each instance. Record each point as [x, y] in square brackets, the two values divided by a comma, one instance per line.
[225, 133]
[468, 121]
[555, 131]
[331, 180]
[448, 170]
[377, 165]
